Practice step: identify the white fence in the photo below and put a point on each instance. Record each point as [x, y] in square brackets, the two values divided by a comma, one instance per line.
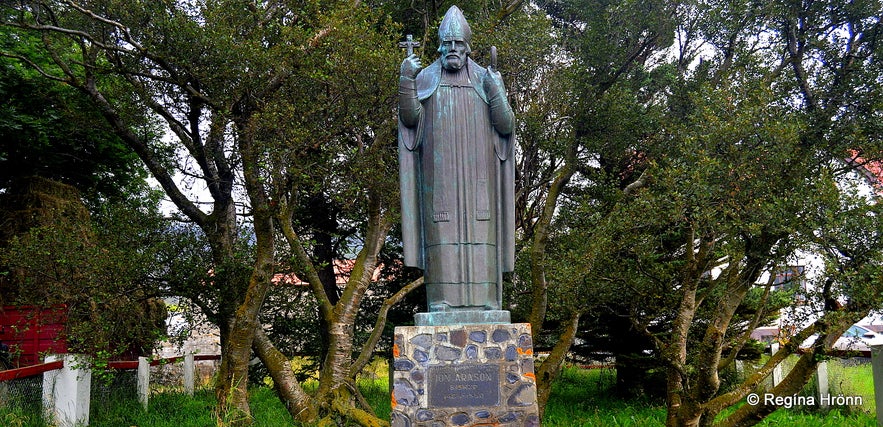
[67, 378]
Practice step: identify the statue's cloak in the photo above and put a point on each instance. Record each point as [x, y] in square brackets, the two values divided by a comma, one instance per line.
[413, 184]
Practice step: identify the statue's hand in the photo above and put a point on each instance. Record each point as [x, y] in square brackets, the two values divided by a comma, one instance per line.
[410, 66]
[493, 84]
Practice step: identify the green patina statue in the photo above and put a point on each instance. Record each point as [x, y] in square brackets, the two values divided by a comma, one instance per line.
[457, 178]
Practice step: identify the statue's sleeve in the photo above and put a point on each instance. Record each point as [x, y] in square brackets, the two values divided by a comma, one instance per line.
[410, 128]
[507, 200]
[503, 121]
[410, 108]
[502, 117]
[409, 183]
[501, 114]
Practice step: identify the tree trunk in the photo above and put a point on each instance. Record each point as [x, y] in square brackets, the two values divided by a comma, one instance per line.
[539, 286]
[336, 393]
[300, 405]
[681, 410]
[689, 395]
[804, 369]
[334, 372]
[232, 384]
[379, 325]
[232, 387]
[706, 384]
[548, 371]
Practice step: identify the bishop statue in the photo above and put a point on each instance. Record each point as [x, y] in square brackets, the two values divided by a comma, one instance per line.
[457, 175]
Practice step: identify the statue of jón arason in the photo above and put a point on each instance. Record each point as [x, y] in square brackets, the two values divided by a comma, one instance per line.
[457, 178]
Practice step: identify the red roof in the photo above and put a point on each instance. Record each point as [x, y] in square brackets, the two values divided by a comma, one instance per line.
[871, 169]
[342, 270]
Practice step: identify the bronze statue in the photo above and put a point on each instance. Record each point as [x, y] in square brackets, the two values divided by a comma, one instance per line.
[457, 174]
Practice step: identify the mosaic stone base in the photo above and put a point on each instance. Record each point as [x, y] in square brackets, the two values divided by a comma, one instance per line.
[464, 375]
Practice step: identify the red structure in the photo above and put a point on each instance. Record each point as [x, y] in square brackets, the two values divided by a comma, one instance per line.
[31, 332]
[871, 169]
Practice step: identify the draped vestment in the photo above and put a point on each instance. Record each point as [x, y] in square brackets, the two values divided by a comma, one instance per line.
[457, 181]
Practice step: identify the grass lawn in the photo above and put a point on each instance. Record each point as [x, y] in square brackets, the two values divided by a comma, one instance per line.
[580, 398]
[584, 398]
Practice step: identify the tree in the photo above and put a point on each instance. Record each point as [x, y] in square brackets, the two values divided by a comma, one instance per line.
[661, 141]
[57, 242]
[687, 116]
[745, 169]
[267, 106]
[51, 130]
[582, 134]
[206, 72]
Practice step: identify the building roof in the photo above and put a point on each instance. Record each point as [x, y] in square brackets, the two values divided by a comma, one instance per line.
[343, 268]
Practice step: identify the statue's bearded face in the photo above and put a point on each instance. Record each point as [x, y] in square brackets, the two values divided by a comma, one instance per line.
[453, 54]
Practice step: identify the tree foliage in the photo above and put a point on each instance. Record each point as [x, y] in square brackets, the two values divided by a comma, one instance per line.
[670, 156]
[274, 109]
[101, 271]
[53, 131]
[743, 138]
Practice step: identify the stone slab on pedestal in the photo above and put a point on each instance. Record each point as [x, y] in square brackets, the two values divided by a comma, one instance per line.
[464, 317]
[464, 375]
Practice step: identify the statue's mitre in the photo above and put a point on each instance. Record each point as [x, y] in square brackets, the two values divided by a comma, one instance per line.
[454, 26]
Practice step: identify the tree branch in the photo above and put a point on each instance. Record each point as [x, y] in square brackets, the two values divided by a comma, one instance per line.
[301, 406]
[305, 263]
[380, 325]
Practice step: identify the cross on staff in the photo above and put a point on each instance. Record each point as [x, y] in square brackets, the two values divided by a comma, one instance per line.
[409, 44]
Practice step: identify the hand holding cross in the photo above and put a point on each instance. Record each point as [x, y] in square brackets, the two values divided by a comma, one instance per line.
[411, 65]
[409, 44]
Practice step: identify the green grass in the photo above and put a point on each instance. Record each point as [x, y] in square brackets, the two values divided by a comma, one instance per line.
[833, 418]
[583, 397]
[580, 398]
[171, 409]
[15, 417]
[853, 380]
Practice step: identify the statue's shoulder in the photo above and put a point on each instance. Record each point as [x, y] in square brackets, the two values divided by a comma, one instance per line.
[475, 71]
[428, 80]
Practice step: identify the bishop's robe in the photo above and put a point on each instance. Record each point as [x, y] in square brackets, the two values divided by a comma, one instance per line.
[457, 182]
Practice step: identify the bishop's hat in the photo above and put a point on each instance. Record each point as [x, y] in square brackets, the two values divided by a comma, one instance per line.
[454, 26]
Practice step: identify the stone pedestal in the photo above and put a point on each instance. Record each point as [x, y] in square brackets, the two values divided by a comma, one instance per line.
[464, 375]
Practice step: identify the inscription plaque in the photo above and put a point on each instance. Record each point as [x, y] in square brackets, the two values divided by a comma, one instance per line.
[451, 386]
